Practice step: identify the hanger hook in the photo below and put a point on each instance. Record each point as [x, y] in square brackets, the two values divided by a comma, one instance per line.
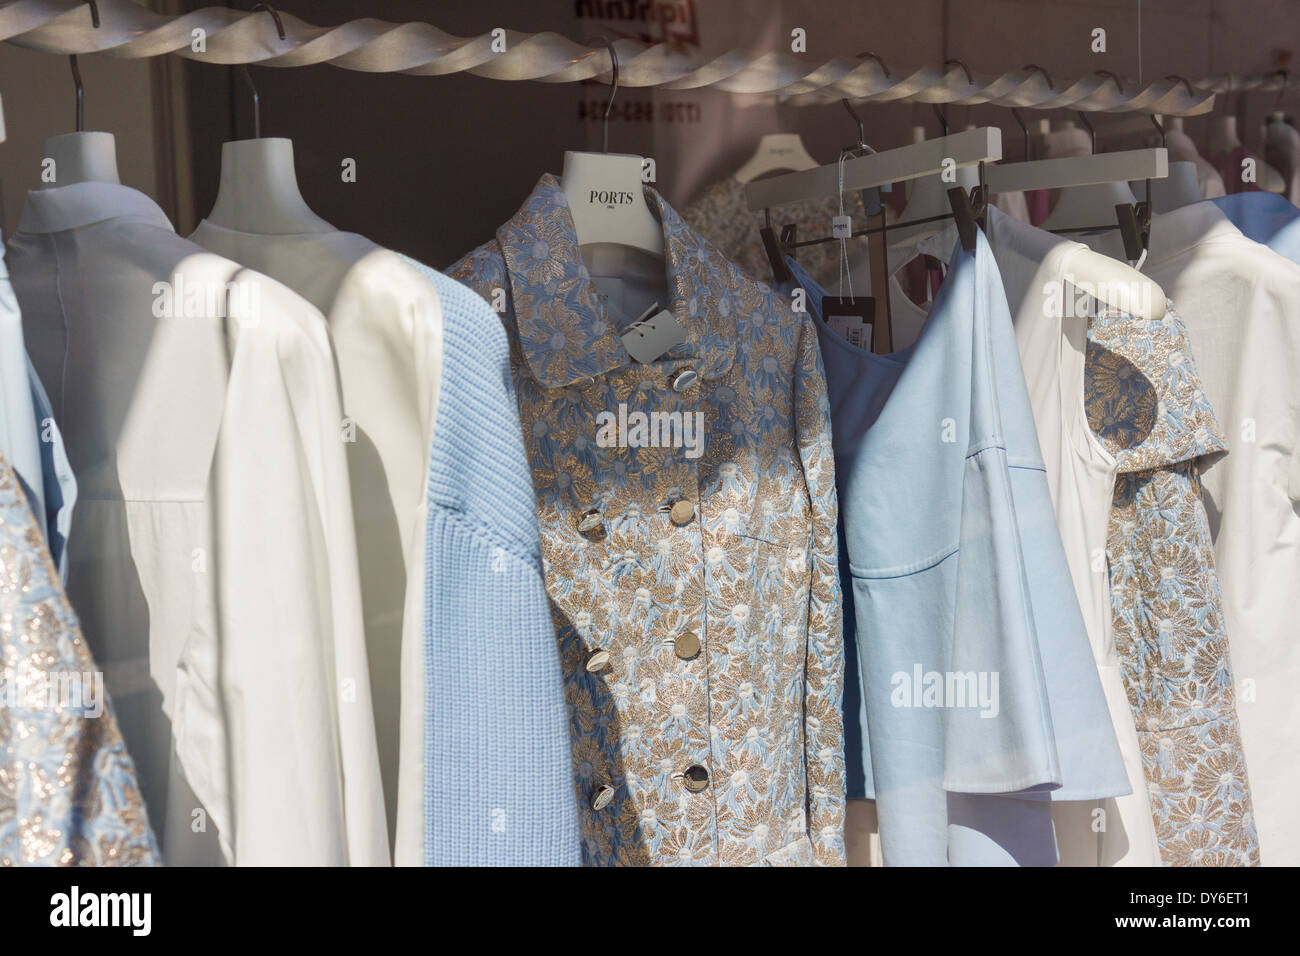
[943, 120]
[257, 100]
[76, 72]
[964, 68]
[1115, 79]
[1038, 69]
[279, 26]
[879, 62]
[613, 86]
[1024, 129]
[862, 130]
[247, 74]
[1164, 140]
[1281, 90]
[81, 93]
[1083, 118]
[613, 92]
[1186, 85]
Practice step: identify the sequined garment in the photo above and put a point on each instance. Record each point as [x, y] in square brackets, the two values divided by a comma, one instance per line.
[722, 215]
[68, 793]
[698, 615]
[1145, 404]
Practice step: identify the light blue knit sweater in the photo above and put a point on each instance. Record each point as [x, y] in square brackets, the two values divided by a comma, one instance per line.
[498, 778]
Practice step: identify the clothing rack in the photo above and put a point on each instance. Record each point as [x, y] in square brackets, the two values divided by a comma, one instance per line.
[265, 37]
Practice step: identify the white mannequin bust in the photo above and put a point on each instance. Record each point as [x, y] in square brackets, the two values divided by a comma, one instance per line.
[82, 158]
[1222, 134]
[1223, 138]
[259, 192]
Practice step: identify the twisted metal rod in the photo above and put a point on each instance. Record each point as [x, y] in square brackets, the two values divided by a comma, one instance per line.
[224, 36]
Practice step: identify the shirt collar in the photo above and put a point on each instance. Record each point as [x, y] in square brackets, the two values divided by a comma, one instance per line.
[82, 204]
[563, 330]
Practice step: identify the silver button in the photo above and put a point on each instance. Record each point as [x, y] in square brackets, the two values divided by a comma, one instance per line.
[681, 513]
[685, 379]
[591, 523]
[598, 661]
[687, 646]
[695, 779]
[600, 799]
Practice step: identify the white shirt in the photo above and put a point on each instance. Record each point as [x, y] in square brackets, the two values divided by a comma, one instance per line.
[19, 442]
[1035, 268]
[1241, 303]
[213, 560]
[386, 323]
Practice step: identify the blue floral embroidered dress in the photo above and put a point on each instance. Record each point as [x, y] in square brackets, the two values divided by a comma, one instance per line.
[696, 599]
[68, 792]
[1145, 404]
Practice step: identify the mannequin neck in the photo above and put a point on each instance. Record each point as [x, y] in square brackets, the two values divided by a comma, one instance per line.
[1181, 148]
[82, 158]
[1180, 188]
[1223, 136]
[259, 191]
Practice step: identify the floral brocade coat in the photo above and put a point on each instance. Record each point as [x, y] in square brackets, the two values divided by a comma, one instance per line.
[695, 597]
[68, 789]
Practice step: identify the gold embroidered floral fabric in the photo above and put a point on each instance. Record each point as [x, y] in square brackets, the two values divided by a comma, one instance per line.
[68, 792]
[722, 215]
[696, 599]
[1145, 404]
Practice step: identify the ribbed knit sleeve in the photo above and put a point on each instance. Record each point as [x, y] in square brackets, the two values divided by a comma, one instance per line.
[498, 778]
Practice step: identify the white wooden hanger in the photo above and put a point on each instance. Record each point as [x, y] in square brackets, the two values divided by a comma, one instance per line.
[776, 152]
[1080, 207]
[1092, 186]
[927, 198]
[606, 193]
[967, 148]
[1071, 172]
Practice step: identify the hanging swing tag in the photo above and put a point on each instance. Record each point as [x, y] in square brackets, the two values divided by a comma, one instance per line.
[841, 227]
[851, 318]
[652, 335]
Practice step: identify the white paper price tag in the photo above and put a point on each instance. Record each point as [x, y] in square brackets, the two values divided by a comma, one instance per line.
[649, 338]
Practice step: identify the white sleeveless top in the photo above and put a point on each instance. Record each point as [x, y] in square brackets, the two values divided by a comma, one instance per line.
[1051, 332]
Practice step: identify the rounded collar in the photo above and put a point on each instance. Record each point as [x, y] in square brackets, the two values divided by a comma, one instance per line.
[563, 330]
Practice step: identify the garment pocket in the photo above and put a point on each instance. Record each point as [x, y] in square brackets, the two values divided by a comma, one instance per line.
[798, 853]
